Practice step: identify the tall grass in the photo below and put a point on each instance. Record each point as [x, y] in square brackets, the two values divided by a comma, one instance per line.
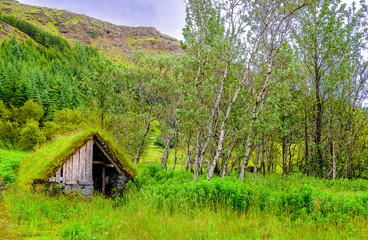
[168, 205]
[65, 217]
[298, 198]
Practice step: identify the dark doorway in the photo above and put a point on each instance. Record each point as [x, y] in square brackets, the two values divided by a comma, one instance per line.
[104, 172]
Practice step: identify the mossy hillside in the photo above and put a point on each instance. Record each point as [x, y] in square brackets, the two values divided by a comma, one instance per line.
[116, 42]
[7, 32]
[45, 161]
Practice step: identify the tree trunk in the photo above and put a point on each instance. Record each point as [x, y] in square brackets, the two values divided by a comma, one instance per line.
[255, 162]
[290, 167]
[141, 144]
[246, 157]
[263, 167]
[176, 149]
[333, 161]
[165, 153]
[318, 117]
[270, 156]
[197, 162]
[259, 101]
[284, 156]
[306, 157]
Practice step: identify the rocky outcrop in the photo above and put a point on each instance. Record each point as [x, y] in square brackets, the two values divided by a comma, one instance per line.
[2, 188]
[2, 185]
[7, 32]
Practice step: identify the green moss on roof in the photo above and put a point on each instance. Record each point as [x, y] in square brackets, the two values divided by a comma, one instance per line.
[45, 161]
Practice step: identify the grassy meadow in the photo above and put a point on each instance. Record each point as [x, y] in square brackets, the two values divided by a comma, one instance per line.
[164, 204]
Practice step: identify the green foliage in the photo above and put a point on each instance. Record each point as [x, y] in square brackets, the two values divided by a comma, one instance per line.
[99, 87]
[48, 76]
[66, 120]
[31, 136]
[30, 111]
[9, 162]
[19, 128]
[42, 37]
[310, 198]
[9, 133]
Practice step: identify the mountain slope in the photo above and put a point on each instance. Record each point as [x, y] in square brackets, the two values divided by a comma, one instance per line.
[116, 42]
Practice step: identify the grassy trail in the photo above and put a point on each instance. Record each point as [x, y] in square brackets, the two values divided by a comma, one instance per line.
[7, 231]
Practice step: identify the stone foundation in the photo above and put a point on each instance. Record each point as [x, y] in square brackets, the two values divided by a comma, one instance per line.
[115, 183]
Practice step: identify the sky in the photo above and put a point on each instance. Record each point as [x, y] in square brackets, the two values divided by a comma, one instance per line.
[167, 16]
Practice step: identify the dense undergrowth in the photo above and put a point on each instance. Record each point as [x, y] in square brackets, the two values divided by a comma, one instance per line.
[318, 199]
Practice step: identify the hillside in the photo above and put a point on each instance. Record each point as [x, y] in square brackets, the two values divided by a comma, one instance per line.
[116, 42]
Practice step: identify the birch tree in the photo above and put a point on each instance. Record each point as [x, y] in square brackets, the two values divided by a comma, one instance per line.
[329, 37]
[271, 28]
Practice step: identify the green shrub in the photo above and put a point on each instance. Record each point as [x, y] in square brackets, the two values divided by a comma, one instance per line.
[9, 133]
[31, 136]
[9, 163]
[30, 111]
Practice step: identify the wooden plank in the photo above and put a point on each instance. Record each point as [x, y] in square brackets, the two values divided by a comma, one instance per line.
[76, 166]
[86, 162]
[86, 169]
[58, 176]
[66, 169]
[64, 172]
[52, 179]
[98, 162]
[81, 163]
[70, 169]
[72, 166]
[89, 160]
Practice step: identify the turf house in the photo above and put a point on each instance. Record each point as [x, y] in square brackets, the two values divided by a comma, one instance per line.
[84, 162]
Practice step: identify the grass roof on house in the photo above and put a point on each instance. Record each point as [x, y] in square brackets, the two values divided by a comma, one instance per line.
[45, 161]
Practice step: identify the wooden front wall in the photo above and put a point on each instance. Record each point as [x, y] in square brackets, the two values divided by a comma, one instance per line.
[78, 167]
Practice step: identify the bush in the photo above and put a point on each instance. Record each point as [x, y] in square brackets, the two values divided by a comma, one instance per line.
[31, 136]
[30, 111]
[9, 133]
[9, 163]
